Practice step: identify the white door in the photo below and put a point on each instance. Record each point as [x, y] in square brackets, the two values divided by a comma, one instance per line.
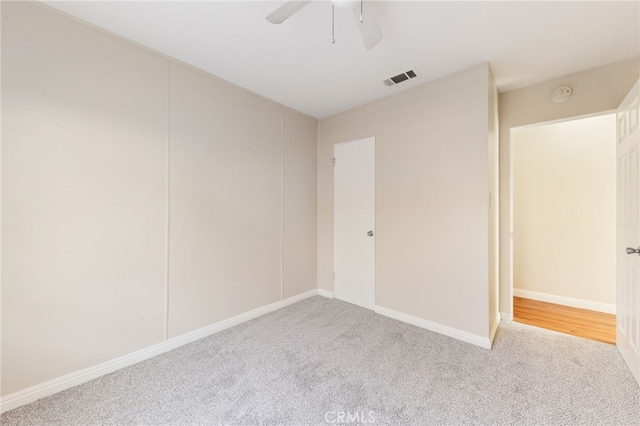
[628, 304]
[354, 222]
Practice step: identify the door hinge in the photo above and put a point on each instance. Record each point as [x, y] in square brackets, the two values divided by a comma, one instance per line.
[333, 159]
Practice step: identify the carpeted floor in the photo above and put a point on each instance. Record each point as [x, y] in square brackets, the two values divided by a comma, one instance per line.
[323, 361]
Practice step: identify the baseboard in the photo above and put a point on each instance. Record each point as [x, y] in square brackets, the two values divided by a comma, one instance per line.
[566, 301]
[494, 328]
[438, 328]
[505, 316]
[50, 387]
[325, 293]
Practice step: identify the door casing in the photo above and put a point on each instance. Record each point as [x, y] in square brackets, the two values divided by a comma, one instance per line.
[354, 218]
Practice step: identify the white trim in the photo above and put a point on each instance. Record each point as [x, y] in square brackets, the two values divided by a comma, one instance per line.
[67, 381]
[506, 316]
[566, 301]
[494, 329]
[325, 293]
[474, 339]
[510, 264]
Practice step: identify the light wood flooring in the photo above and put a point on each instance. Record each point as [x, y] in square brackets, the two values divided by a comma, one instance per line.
[578, 322]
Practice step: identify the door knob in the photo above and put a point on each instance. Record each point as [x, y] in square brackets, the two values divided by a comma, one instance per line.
[631, 250]
[370, 233]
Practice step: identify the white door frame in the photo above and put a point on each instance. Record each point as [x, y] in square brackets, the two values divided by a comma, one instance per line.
[512, 131]
[627, 320]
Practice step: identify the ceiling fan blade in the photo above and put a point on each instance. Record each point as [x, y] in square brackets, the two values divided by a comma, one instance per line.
[370, 26]
[285, 11]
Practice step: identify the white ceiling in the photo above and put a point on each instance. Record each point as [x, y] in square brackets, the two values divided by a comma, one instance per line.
[296, 65]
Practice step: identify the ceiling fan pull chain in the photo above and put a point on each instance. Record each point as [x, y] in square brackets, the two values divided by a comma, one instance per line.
[370, 30]
[333, 24]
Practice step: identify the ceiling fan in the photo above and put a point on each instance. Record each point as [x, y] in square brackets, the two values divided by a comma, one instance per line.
[363, 12]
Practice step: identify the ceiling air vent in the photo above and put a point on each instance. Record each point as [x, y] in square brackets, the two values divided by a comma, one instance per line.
[397, 79]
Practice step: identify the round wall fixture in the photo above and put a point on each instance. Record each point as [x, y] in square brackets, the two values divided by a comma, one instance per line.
[561, 93]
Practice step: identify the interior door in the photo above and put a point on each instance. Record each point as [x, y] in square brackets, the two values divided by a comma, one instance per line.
[354, 222]
[628, 285]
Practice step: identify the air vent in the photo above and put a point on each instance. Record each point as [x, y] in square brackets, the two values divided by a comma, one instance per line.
[397, 79]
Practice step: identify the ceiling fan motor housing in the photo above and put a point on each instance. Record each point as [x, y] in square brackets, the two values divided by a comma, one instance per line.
[345, 4]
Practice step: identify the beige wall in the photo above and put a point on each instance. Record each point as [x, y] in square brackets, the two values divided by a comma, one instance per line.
[101, 139]
[432, 256]
[300, 202]
[564, 209]
[83, 196]
[597, 90]
[226, 200]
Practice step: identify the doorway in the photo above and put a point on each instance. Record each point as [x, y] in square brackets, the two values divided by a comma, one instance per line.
[354, 222]
[564, 226]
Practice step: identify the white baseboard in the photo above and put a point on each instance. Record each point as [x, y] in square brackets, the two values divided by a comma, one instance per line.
[438, 328]
[566, 301]
[325, 293]
[505, 316]
[56, 385]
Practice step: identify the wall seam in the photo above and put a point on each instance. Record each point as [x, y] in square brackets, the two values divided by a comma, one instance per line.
[1, 211]
[167, 205]
[282, 208]
[318, 205]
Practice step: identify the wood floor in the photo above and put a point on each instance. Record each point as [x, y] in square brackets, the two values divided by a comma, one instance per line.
[578, 322]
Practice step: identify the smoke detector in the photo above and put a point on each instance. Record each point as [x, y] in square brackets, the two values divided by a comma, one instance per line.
[397, 79]
[561, 93]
